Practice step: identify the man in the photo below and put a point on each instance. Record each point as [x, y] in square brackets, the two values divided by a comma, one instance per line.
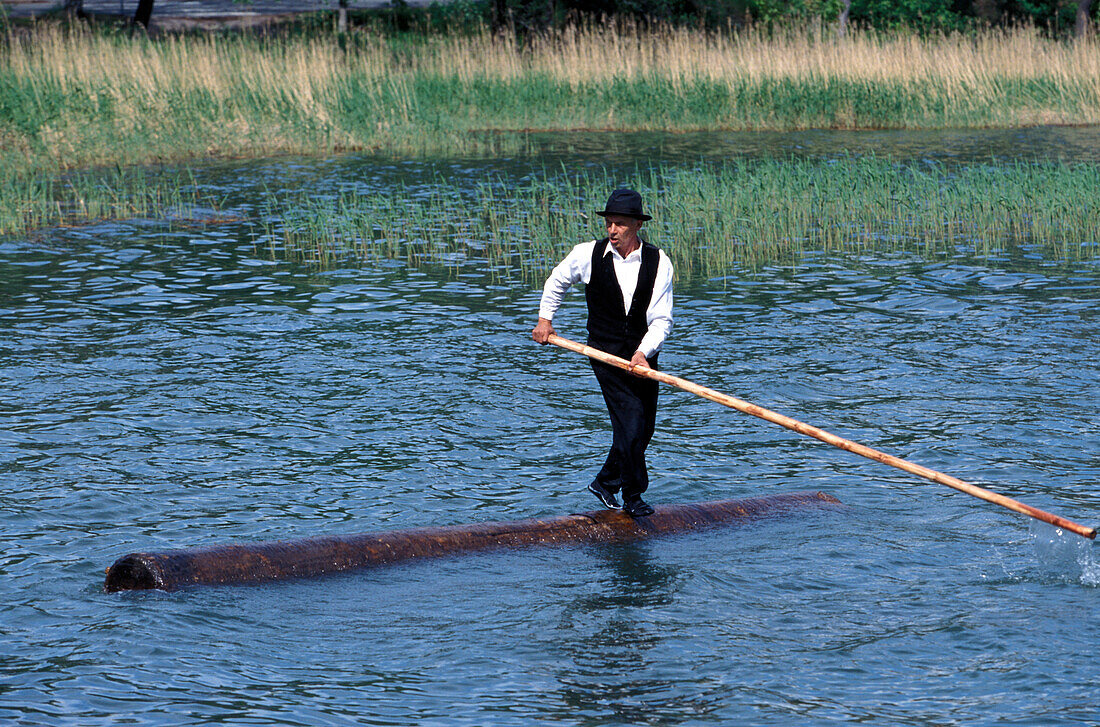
[628, 288]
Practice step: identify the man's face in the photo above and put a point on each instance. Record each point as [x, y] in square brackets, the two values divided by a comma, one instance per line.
[623, 232]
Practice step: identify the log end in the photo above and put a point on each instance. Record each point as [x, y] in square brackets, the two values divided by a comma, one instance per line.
[133, 572]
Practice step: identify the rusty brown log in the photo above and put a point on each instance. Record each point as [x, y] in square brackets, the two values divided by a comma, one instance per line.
[274, 560]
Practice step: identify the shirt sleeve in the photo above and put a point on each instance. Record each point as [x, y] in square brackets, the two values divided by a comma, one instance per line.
[659, 314]
[575, 268]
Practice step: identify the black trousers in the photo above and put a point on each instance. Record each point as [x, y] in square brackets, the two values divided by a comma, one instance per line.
[632, 404]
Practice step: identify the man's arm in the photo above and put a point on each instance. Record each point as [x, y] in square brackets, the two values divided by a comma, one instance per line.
[576, 267]
[659, 313]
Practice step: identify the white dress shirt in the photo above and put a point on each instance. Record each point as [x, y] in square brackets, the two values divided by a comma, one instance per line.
[577, 267]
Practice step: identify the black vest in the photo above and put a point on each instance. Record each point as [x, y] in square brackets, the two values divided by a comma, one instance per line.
[610, 328]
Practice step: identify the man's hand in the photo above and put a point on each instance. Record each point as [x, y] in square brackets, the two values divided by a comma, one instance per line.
[638, 359]
[542, 331]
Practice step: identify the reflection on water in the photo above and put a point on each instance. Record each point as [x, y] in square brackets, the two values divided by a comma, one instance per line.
[243, 185]
[613, 645]
[633, 578]
[1071, 143]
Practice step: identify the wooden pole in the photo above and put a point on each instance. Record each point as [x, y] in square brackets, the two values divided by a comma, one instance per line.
[824, 436]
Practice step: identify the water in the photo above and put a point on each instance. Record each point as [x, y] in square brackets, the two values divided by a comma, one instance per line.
[170, 388]
[521, 157]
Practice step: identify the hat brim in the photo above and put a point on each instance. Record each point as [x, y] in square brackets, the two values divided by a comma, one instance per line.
[643, 218]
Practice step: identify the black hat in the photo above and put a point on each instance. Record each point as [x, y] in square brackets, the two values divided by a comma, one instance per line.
[625, 202]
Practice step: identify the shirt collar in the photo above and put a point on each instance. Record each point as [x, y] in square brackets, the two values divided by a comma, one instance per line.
[610, 250]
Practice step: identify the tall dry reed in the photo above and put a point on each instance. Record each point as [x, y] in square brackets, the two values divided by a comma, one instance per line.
[85, 98]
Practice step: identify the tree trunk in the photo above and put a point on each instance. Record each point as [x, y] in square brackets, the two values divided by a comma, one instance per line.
[1081, 29]
[500, 15]
[143, 13]
[74, 8]
[842, 21]
[342, 17]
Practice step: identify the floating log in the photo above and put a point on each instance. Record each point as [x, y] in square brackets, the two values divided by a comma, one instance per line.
[267, 561]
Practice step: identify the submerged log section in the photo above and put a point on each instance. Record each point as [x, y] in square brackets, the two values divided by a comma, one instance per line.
[254, 562]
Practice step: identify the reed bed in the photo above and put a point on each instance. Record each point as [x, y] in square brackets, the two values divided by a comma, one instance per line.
[711, 219]
[78, 198]
[75, 98]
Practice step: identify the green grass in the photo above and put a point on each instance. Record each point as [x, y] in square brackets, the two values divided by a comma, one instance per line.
[712, 219]
[76, 198]
[439, 105]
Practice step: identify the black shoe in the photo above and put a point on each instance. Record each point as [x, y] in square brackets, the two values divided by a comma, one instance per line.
[606, 496]
[636, 507]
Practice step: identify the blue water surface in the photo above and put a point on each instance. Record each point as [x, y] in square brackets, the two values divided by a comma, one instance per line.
[170, 386]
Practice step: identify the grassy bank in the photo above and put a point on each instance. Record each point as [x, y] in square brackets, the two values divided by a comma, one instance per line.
[713, 219]
[75, 98]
